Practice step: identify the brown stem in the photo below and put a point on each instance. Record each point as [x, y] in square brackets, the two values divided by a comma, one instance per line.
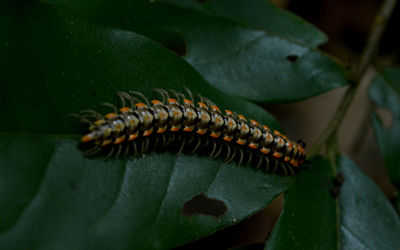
[369, 51]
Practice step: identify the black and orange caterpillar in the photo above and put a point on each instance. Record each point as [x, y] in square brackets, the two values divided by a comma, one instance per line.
[140, 126]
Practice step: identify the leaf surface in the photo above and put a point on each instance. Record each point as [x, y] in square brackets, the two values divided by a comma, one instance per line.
[249, 49]
[359, 218]
[53, 63]
[385, 94]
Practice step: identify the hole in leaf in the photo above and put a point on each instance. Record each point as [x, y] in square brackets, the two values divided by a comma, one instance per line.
[201, 204]
[253, 229]
[335, 191]
[292, 58]
[201, 1]
[339, 179]
[385, 116]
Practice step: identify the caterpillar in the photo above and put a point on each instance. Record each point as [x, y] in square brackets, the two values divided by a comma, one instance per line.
[140, 126]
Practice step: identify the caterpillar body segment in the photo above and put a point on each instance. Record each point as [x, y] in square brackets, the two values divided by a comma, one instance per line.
[180, 123]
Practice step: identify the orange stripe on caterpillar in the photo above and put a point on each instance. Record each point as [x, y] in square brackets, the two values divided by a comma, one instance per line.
[180, 124]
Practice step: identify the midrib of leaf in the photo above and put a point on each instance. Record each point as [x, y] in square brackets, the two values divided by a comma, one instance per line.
[354, 236]
[114, 200]
[167, 188]
[33, 198]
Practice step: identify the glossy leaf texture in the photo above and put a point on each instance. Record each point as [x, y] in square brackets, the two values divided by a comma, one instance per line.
[249, 49]
[314, 217]
[384, 92]
[51, 197]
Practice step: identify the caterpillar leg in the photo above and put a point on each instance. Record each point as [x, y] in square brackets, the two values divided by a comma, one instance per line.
[241, 157]
[135, 150]
[259, 162]
[163, 93]
[145, 146]
[107, 104]
[197, 146]
[141, 95]
[233, 155]
[158, 91]
[291, 170]
[284, 169]
[122, 98]
[125, 96]
[191, 140]
[92, 113]
[218, 152]
[156, 143]
[163, 142]
[275, 166]
[250, 158]
[213, 149]
[142, 147]
[302, 143]
[110, 153]
[190, 94]
[92, 151]
[179, 96]
[205, 100]
[228, 153]
[82, 119]
[126, 153]
[171, 139]
[118, 151]
[267, 163]
[181, 147]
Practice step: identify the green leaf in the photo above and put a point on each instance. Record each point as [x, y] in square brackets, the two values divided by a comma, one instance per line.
[51, 197]
[385, 93]
[262, 15]
[245, 48]
[359, 218]
[308, 219]
[367, 219]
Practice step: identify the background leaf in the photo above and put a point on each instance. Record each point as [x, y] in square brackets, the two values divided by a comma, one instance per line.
[365, 218]
[385, 93]
[245, 48]
[308, 219]
[53, 64]
[262, 15]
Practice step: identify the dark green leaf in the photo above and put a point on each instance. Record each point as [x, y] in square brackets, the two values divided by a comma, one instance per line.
[252, 50]
[56, 199]
[385, 93]
[359, 218]
[51, 197]
[308, 219]
[262, 15]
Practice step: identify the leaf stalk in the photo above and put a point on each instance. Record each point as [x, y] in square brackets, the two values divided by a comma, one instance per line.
[357, 74]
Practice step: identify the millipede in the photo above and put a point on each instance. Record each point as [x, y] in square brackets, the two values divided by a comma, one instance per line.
[175, 122]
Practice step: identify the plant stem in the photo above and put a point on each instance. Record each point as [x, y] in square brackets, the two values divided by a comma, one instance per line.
[359, 69]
